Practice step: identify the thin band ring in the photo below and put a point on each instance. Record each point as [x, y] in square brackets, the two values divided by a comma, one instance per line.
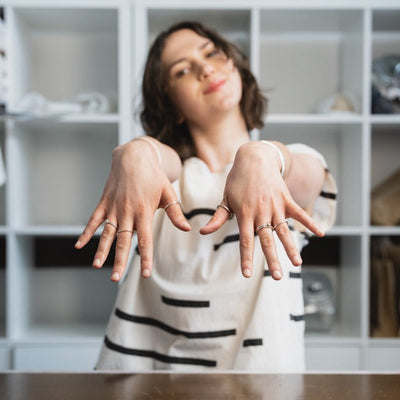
[225, 207]
[171, 204]
[267, 225]
[107, 221]
[125, 230]
[280, 223]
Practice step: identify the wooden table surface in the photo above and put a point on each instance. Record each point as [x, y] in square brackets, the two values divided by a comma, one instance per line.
[122, 386]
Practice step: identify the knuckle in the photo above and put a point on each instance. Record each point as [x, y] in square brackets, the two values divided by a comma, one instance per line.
[109, 231]
[144, 241]
[246, 242]
[123, 243]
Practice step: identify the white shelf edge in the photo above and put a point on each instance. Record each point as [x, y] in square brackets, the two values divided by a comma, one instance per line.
[54, 230]
[384, 230]
[384, 341]
[332, 340]
[313, 119]
[90, 118]
[385, 119]
[345, 231]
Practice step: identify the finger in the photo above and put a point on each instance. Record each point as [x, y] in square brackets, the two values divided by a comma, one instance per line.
[217, 220]
[246, 234]
[269, 249]
[174, 211]
[282, 230]
[145, 244]
[106, 239]
[95, 221]
[296, 212]
[122, 248]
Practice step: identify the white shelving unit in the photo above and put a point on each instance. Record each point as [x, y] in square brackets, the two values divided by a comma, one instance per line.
[53, 306]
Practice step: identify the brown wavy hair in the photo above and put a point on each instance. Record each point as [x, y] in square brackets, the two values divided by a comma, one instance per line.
[159, 116]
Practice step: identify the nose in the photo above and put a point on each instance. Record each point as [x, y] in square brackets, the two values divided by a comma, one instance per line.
[206, 69]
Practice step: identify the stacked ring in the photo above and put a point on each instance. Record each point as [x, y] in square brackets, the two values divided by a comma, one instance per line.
[171, 204]
[225, 207]
[280, 223]
[107, 221]
[125, 230]
[267, 225]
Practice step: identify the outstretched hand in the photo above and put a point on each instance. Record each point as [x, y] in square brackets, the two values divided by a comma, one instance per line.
[257, 194]
[128, 204]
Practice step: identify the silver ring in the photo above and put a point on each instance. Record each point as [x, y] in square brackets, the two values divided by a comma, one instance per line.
[267, 225]
[107, 221]
[280, 223]
[227, 209]
[125, 230]
[171, 204]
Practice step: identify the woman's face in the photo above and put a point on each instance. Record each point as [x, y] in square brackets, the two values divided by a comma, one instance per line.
[201, 81]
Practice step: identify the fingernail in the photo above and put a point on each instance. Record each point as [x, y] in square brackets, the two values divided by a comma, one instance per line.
[97, 262]
[247, 272]
[115, 276]
[277, 274]
[78, 243]
[298, 260]
[146, 272]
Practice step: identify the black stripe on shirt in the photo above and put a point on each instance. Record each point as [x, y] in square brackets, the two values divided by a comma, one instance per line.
[158, 356]
[297, 318]
[228, 239]
[185, 303]
[328, 195]
[291, 274]
[172, 330]
[199, 211]
[252, 342]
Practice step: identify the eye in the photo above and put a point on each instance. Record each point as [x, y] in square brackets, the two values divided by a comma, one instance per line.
[214, 52]
[182, 72]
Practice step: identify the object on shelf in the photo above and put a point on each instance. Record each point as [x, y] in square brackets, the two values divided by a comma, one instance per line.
[385, 201]
[2, 170]
[3, 64]
[339, 103]
[35, 105]
[319, 299]
[385, 95]
[385, 288]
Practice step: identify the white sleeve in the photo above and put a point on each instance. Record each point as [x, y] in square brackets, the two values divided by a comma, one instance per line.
[324, 210]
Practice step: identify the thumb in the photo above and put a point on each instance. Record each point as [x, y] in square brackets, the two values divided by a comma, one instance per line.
[174, 211]
[220, 216]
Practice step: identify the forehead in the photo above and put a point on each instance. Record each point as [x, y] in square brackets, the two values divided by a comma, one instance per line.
[180, 44]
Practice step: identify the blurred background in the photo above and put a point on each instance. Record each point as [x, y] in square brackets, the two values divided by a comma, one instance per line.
[69, 92]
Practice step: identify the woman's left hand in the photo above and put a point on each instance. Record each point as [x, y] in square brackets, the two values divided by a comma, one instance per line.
[258, 195]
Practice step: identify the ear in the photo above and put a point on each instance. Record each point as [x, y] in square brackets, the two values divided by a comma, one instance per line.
[180, 119]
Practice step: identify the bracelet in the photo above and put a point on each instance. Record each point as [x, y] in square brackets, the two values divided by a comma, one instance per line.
[279, 154]
[154, 146]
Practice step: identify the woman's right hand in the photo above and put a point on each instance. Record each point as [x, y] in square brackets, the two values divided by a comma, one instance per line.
[136, 187]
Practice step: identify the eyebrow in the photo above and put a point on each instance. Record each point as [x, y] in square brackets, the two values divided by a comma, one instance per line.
[202, 46]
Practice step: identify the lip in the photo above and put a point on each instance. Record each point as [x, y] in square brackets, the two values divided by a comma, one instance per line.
[214, 86]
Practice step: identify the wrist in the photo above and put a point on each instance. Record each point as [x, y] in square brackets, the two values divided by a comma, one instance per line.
[279, 153]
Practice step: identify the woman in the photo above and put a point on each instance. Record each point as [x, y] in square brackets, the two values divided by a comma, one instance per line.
[195, 311]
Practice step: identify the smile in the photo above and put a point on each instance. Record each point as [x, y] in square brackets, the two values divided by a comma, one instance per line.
[214, 86]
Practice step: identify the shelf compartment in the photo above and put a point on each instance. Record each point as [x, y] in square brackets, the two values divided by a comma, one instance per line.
[2, 187]
[384, 287]
[385, 32]
[340, 145]
[61, 52]
[338, 258]
[307, 56]
[60, 171]
[385, 161]
[2, 286]
[232, 24]
[60, 303]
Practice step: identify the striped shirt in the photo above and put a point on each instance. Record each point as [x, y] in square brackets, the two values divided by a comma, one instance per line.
[197, 311]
